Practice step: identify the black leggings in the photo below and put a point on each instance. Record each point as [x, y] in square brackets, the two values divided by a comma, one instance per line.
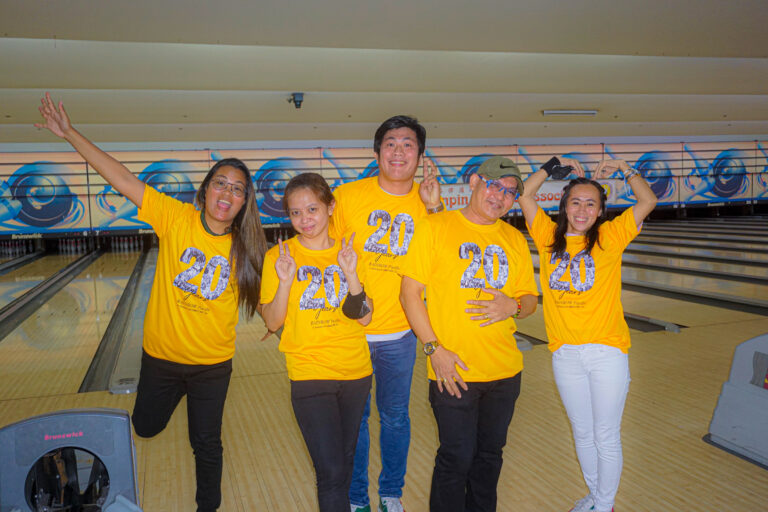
[328, 413]
[161, 386]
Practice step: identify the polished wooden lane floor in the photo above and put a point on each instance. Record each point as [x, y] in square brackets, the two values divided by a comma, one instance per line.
[50, 352]
[676, 380]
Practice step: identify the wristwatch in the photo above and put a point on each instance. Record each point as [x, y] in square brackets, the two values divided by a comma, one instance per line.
[430, 347]
[436, 209]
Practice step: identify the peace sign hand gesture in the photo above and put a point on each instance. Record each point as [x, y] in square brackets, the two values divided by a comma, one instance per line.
[347, 256]
[285, 265]
[429, 188]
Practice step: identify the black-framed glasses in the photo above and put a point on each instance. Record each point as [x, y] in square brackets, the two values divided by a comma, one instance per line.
[496, 186]
[220, 183]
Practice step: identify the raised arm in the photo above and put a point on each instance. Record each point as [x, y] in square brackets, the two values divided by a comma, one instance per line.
[527, 200]
[121, 179]
[556, 167]
[646, 199]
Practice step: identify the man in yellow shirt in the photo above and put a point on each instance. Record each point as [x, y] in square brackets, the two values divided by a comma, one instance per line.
[383, 211]
[477, 274]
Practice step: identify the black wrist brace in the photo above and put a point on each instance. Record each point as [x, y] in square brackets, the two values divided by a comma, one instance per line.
[355, 306]
[555, 170]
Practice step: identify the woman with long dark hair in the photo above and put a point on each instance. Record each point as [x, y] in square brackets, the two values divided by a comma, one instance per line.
[208, 266]
[313, 285]
[580, 271]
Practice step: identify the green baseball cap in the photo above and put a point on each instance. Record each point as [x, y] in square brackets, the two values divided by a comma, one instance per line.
[498, 167]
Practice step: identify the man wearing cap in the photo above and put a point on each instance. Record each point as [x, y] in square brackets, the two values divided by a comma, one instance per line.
[477, 274]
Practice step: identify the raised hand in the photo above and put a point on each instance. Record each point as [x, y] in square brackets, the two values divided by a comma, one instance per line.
[429, 188]
[607, 167]
[578, 170]
[56, 119]
[285, 265]
[347, 256]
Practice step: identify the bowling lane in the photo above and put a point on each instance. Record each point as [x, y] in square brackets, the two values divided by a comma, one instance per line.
[16, 283]
[761, 257]
[49, 353]
[712, 238]
[705, 284]
[679, 311]
[724, 230]
[688, 282]
[676, 262]
[667, 309]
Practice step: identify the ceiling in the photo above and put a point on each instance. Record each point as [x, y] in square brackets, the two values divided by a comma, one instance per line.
[195, 70]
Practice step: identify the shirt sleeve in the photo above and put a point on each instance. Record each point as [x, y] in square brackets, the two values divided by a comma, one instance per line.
[338, 225]
[542, 228]
[159, 210]
[524, 283]
[269, 279]
[418, 261]
[623, 229]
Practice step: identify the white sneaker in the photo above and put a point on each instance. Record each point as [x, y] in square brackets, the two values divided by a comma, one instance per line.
[585, 504]
[390, 505]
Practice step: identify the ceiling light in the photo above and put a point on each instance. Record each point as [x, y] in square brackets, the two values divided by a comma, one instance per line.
[569, 112]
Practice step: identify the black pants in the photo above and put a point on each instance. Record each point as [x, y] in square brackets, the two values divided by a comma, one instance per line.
[473, 432]
[328, 413]
[161, 386]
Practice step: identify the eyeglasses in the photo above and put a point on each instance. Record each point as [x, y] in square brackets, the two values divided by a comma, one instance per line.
[220, 183]
[496, 186]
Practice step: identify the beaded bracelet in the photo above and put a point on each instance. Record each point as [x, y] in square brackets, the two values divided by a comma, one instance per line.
[519, 308]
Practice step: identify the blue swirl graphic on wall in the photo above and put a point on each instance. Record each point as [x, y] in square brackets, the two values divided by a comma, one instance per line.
[372, 169]
[725, 177]
[346, 172]
[730, 173]
[270, 181]
[533, 161]
[45, 198]
[470, 167]
[654, 166]
[170, 177]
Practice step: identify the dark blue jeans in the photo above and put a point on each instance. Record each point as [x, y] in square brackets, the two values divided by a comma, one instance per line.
[328, 413]
[161, 386]
[393, 369]
[473, 432]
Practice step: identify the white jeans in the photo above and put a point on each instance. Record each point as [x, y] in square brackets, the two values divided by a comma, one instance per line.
[593, 380]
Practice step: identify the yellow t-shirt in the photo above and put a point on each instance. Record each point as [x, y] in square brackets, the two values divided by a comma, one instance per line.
[455, 259]
[192, 310]
[383, 225]
[582, 292]
[319, 342]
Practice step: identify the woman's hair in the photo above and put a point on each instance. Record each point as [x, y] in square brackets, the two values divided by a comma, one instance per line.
[593, 233]
[313, 182]
[248, 241]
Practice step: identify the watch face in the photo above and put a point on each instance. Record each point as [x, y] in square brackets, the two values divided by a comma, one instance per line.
[429, 348]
